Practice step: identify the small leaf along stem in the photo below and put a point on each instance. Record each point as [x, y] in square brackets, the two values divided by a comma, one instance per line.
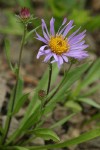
[9, 117]
[49, 81]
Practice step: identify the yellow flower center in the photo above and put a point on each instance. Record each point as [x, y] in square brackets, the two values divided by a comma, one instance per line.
[58, 45]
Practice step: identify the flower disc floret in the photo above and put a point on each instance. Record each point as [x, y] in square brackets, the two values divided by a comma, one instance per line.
[58, 45]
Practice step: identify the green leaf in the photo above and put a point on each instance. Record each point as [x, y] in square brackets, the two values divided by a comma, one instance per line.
[69, 79]
[90, 102]
[62, 121]
[46, 134]
[26, 123]
[29, 34]
[7, 52]
[33, 118]
[75, 141]
[42, 85]
[35, 103]
[74, 106]
[92, 75]
[10, 102]
[1, 131]
[20, 103]
[20, 148]
[91, 90]
[19, 91]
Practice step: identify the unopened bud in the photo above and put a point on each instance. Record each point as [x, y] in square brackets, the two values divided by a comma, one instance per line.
[41, 94]
[25, 13]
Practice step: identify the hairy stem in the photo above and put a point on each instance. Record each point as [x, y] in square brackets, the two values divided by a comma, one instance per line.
[9, 117]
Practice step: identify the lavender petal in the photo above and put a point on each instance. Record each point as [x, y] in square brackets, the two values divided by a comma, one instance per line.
[41, 38]
[52, 30]
[48, 57]
[45, 27]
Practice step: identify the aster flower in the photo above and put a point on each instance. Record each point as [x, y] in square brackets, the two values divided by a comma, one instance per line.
[59, 46]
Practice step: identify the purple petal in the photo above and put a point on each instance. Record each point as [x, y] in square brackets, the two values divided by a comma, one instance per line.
[47, 51]
[45, 27]
[42, 48]
[77, 38]
[68, 28]
[55, 56]
[41, 38]
[41, 51]
[77, 44]
[77, 54]
[65, 58]
[65, 27]
[64, 21]
[73, 34]
[80, 43]
[45, 35]
[60, 61]
[52, 31]
[39, 54]
[53, 61]
[48, 57]
[79, 47]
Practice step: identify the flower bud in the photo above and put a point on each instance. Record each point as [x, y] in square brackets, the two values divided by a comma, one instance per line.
[41, 94]
[25, 13]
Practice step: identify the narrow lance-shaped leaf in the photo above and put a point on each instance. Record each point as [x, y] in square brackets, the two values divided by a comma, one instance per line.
[20, 102]
[46, 134]
[92, 75]
[42, 85]
[8, 55]
[29, 122]
[20, 148]
[62, 121]
[91, 90]
[29, 34]
[19, 91]
[75, 141]
[71, 78]
[90, 102]
[73, 106]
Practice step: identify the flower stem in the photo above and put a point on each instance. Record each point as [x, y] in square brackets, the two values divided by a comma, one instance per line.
[58, 86]
[9, 117]
[49, 81]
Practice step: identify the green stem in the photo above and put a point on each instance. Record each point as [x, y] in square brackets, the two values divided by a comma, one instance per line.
[9, 117]
[59, 85]
[49, 81]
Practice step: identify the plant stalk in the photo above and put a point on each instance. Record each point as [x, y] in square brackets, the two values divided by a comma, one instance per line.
[9, 117]
[58, 86]
[49, 81]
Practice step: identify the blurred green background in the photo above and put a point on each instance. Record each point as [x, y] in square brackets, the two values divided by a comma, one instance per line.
[85, 13]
